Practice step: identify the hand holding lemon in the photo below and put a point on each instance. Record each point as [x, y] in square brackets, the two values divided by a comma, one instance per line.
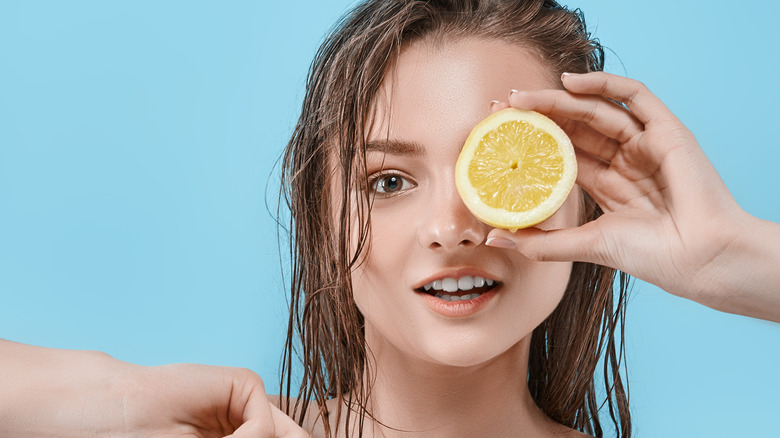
[668, 217]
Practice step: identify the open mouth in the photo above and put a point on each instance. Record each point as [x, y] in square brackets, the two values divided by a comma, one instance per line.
[458, 289]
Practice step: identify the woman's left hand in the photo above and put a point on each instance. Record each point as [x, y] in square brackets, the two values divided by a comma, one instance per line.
[668, 217]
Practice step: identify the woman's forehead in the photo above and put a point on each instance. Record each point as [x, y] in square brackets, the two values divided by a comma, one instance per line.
[442, 85]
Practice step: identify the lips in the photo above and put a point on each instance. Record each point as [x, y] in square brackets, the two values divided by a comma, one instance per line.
[459, 306]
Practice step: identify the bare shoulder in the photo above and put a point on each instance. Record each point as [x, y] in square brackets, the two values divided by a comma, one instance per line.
[313, 421]
[560, 431]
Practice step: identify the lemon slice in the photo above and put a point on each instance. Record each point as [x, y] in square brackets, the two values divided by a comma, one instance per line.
[516, 169]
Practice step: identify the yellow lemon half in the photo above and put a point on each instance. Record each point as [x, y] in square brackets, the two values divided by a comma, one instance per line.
[516, 169]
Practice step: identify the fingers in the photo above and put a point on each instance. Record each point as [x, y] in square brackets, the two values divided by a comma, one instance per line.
[249, 406]
[579, 133]
[571, 244]
[496, 106]
[590, 177]
[254, 429]
[642, 103]
[588, 139]
[285, 426]
[278, 426]
[595, 112]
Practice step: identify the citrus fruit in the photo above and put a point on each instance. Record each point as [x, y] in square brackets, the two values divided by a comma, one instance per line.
[516, 169]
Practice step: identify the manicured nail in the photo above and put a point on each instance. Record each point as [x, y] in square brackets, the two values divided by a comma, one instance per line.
[512, 92]
[493, 103]
[500, 242]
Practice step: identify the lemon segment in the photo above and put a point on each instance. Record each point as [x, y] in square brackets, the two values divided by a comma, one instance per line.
[516, 169]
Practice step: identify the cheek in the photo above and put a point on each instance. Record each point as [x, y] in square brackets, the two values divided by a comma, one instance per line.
[379, 286]
[539, 288]
[382, 257]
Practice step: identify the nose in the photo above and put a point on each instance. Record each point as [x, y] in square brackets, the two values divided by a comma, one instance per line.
[447, 223]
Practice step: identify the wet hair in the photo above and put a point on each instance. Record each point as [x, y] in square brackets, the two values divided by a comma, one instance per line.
[584, 334]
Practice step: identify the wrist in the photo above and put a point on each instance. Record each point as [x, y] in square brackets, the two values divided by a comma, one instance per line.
[743, 277]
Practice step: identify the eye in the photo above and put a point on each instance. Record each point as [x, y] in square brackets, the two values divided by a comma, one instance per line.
[389, 183]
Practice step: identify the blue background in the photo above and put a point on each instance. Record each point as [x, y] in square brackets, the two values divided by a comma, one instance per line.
[136, 206]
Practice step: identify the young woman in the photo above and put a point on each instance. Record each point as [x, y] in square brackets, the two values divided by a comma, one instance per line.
[391, 96]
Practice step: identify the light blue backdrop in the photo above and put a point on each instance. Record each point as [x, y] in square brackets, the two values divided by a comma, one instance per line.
[137, 139]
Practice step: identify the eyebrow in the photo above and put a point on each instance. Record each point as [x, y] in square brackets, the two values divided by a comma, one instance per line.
[396, 147]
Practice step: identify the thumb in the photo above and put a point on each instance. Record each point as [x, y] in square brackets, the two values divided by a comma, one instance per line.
[249, 403]
[254, 429]
[285, 426]
[580, 244]
[282, 427]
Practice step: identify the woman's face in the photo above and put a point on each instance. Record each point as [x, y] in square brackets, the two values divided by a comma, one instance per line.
[421, 232]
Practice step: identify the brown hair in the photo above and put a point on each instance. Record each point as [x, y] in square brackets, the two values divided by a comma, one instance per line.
[342, 83]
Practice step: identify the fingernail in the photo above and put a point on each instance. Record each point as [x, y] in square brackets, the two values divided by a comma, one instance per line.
[493, 103]
[512, 92]
[500, 242]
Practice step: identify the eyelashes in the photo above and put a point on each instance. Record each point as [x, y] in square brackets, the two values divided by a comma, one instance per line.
[389, 183]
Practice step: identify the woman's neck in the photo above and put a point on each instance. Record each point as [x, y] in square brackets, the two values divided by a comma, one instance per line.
[410, 395]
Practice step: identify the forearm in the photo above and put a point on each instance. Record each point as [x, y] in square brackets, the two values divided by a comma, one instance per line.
[68, 393]
[746, 278]
[50, 392]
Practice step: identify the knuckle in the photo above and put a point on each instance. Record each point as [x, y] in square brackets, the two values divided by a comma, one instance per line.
[248, 376]
[591, 114]
[98, 355]
[542, 257]
[538, 253]
[603, 83]
[626, 134]
[639, 89]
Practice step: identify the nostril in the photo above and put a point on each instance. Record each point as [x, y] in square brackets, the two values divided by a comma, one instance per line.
[450, 226]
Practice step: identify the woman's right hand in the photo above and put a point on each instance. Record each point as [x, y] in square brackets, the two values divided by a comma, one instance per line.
[48, 392]
[668, 217]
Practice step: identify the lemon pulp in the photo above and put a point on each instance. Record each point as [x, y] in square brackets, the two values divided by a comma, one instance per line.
[515, 166]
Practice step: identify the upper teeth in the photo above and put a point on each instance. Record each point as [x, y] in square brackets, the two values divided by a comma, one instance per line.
[450, 284]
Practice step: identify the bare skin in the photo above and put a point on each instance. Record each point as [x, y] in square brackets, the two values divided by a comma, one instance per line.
[67, 393]
[669, 218]
[641, 165]
[436, 374]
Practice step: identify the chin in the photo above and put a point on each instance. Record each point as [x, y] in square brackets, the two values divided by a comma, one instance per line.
[472, 350]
